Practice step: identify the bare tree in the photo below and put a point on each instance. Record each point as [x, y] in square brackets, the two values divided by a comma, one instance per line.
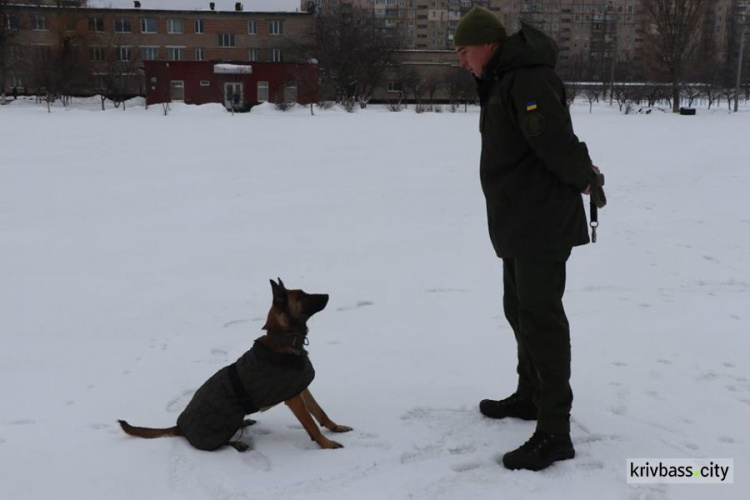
[461, 88]
[70, 66]
[412, 84]
[675, 36]
[730, 94]
[116, 68]
[353, 51]
[10, 26]
[592, 93]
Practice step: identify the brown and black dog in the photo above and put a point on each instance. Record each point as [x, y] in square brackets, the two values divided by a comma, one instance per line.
[277, 369]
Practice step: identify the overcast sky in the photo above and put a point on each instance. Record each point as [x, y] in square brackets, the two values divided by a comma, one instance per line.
[249, 5]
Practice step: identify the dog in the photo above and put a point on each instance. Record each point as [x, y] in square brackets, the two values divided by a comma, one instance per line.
[276, 369]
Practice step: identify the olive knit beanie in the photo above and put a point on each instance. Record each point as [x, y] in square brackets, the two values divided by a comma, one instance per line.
[478, 27]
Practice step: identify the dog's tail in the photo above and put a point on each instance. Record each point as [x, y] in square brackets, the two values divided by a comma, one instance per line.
[149, 433]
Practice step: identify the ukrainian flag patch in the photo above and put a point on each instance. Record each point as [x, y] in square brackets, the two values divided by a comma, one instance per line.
[531, 106]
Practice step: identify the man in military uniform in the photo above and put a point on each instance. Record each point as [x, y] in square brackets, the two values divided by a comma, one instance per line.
[533, 171]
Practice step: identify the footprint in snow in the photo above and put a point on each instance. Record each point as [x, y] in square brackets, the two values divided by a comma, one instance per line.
[421, 454]
[235, 323]
[256, 460]
[465, 466]
[589, 465]
[23, 421]
[358, 305]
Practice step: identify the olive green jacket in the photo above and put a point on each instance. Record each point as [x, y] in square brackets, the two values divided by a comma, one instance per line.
[533, 167]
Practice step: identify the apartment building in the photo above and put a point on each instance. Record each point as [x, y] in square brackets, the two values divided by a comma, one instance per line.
[598, 39]
[130, 36]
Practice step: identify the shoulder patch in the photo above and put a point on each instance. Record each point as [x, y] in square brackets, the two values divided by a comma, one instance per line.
[534, 124]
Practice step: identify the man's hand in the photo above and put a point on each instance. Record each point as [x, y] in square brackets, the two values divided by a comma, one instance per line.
[596, 170]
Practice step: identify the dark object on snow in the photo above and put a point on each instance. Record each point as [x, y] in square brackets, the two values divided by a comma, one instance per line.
[514, 406]
[277, 369]
[687, 111]
[261, 379]
[598, 198]
[539, 452]
[533, 168]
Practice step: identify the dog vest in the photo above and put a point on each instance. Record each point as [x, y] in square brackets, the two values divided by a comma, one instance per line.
[260, 378]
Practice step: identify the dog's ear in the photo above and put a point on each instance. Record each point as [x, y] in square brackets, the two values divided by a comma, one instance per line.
[281, 284]
[279, 293]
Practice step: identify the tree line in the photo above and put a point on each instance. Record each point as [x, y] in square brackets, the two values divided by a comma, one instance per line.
[356, 55]
[62, 69]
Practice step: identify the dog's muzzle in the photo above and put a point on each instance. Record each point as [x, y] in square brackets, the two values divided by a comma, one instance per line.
[316, 303]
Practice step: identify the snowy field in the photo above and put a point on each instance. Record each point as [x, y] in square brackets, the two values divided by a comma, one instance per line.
[136, 254]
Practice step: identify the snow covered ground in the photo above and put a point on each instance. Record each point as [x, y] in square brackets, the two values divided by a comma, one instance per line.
[137, 248]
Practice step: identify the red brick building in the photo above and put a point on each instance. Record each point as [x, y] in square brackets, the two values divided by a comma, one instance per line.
[62, 48]
[237, 84]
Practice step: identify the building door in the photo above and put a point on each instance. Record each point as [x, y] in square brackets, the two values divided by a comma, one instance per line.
[233, 98]
[177, 90]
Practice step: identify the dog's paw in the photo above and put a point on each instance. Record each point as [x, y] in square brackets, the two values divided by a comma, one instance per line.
[340, 428]
[330, 445]
[239, 446]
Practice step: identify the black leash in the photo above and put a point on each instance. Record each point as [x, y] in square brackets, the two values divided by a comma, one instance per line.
[594, 211]
[598, 198]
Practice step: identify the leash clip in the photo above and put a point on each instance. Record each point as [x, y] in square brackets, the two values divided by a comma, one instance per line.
[594, 220]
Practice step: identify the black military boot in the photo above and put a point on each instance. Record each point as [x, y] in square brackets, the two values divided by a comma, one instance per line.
[539, 452]
[515, 406]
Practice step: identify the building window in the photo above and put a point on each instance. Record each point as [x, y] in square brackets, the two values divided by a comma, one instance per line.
[275, 27]
[277, 55]
[262, 91]
[200, 54]
[44, 52]
[12, 22]
[15, 53]
[253, 55]
[149, 53]
[175, 53]
[148, 25]
[394, 86]
[290, 92]
[205, 83]
[199, 26]
[39, 22]
[98, 53]
[124, 54]
[96, 24]
[122, 25]
[174, 26]
[252, 28]
[17, 80]
[226, 40]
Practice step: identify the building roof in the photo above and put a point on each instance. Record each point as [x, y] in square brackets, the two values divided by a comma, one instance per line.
[221, 5]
